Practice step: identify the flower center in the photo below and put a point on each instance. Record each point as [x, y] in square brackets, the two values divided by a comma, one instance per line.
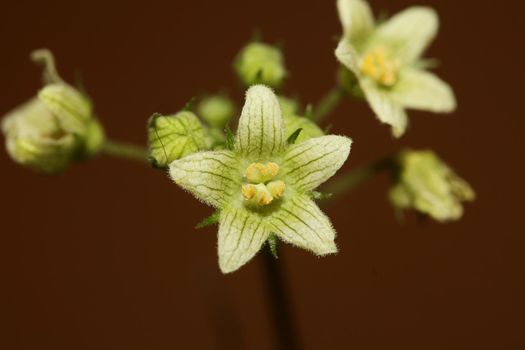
[376, 66]
[261, 187]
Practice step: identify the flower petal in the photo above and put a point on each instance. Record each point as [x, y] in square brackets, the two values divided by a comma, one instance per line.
[357, 20]
[347, 56]
[241, 235]
[386, 109]
[212, 177]
[408, 33]
[312, 162]
[418, 89]
[260, 132]
[72, 109]
[300, 222]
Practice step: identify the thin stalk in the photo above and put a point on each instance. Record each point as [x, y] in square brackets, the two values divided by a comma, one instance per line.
[327, 104]
[125, 150]
[282, 310]
[347, 182]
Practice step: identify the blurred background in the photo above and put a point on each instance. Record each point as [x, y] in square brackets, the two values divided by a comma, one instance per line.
[105, 256]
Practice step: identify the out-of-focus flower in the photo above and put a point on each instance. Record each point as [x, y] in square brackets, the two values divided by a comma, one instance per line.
[428, 185]
[263, 185]
[259, 63]
[216, 110]
[53, 129]
[385, 59]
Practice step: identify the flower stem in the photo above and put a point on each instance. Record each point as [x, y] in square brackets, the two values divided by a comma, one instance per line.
[282, 313]
[125, 150]
[347, 182]
[327, 104]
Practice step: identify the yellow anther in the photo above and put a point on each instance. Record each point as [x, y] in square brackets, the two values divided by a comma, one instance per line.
[276, 188]
[248, 191]
[264, 198]
[376, 65]
[261, 173]
[273, 169]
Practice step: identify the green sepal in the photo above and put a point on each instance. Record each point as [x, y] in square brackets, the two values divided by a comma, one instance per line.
[210, 220]
[230, 138]
[309, 112]
[320, 195]
[272, 244]
[190, 104]
[293, 137]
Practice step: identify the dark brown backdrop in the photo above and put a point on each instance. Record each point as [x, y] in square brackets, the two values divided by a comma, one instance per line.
[106, 257]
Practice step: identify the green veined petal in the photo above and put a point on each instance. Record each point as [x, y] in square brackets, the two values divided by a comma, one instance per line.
[357, 20]
[408, 33]
[386, 109]
[312, 162]
[212, 177]
[72, 109]
[241, 235]
[300, 222]
[260, 132]
[347, 56]
[422, 90]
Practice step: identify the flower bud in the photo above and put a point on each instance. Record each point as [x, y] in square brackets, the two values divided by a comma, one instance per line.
[54, 128]
[259, 63]
[49, 132]
[309, 128]
[429, 186]
[174, 136]
[288, 106]
[216, 111]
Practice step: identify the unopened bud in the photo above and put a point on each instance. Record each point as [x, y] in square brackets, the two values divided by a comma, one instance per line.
[216, 111]
[259, 63]
[174, 136]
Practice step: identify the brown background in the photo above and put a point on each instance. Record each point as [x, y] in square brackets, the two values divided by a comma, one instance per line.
[106, 257]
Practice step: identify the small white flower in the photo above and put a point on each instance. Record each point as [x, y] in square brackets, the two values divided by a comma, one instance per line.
[385, 59]
[263, 184]
[426, 184]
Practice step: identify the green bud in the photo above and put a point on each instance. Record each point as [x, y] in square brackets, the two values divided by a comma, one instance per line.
[259, 63]
[288, 106]
[428, 185]
[55, 128]
[174, 136]
[216, 111]
[309, 128]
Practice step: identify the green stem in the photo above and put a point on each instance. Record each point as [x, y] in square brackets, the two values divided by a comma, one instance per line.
[347, 182]
[327, 104]
[125, 150]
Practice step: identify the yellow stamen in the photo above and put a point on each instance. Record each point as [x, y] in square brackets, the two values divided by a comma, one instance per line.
[248, 191]
[260, 173]
[265, 198]
[376, 65]
[273, 169]
[276, 188]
